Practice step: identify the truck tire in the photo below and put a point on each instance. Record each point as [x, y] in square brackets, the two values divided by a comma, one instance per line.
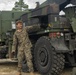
[46, 60]
[3, 52]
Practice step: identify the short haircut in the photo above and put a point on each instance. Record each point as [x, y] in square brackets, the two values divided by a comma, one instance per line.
[19, 21]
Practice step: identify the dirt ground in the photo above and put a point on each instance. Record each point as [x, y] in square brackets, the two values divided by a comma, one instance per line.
[12, 70]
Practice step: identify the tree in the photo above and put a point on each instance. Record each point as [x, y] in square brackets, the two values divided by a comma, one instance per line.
[20, 6]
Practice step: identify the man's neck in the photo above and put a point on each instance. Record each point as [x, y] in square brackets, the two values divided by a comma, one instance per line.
[19, 30]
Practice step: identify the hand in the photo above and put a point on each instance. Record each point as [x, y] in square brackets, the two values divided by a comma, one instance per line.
[13, 51]
[12, 54]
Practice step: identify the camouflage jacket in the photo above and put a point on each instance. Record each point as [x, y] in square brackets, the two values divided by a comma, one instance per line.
[21, 39]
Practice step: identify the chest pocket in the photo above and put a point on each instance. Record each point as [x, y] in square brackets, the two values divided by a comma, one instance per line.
[22, 36]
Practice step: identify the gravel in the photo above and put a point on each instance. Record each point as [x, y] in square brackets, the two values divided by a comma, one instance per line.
[9, 69]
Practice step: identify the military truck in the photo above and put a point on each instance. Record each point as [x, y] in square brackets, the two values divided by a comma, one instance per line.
[54, 44]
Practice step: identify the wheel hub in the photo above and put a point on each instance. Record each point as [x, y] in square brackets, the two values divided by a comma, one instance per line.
[43, 56]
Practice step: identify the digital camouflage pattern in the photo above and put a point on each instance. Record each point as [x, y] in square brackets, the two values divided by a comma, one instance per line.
[22, 42]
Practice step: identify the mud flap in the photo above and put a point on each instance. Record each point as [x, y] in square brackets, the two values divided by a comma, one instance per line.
[59, 45]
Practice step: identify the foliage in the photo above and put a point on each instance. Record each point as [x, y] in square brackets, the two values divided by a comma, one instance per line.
[20, 6]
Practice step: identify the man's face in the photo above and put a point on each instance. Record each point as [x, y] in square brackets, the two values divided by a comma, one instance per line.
[19, 26]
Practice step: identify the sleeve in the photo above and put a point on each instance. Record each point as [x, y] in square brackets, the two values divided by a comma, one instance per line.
[14, 45]
[33, 28]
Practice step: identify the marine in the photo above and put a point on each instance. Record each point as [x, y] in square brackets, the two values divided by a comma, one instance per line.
[22, 42]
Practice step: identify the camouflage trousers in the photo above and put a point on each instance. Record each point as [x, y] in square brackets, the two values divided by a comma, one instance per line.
[25, 54]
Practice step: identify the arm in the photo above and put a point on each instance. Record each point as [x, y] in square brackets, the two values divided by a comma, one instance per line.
[32, 28]
[14, 43]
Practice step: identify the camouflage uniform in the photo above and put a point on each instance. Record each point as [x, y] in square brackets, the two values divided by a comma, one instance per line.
[21, 40]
